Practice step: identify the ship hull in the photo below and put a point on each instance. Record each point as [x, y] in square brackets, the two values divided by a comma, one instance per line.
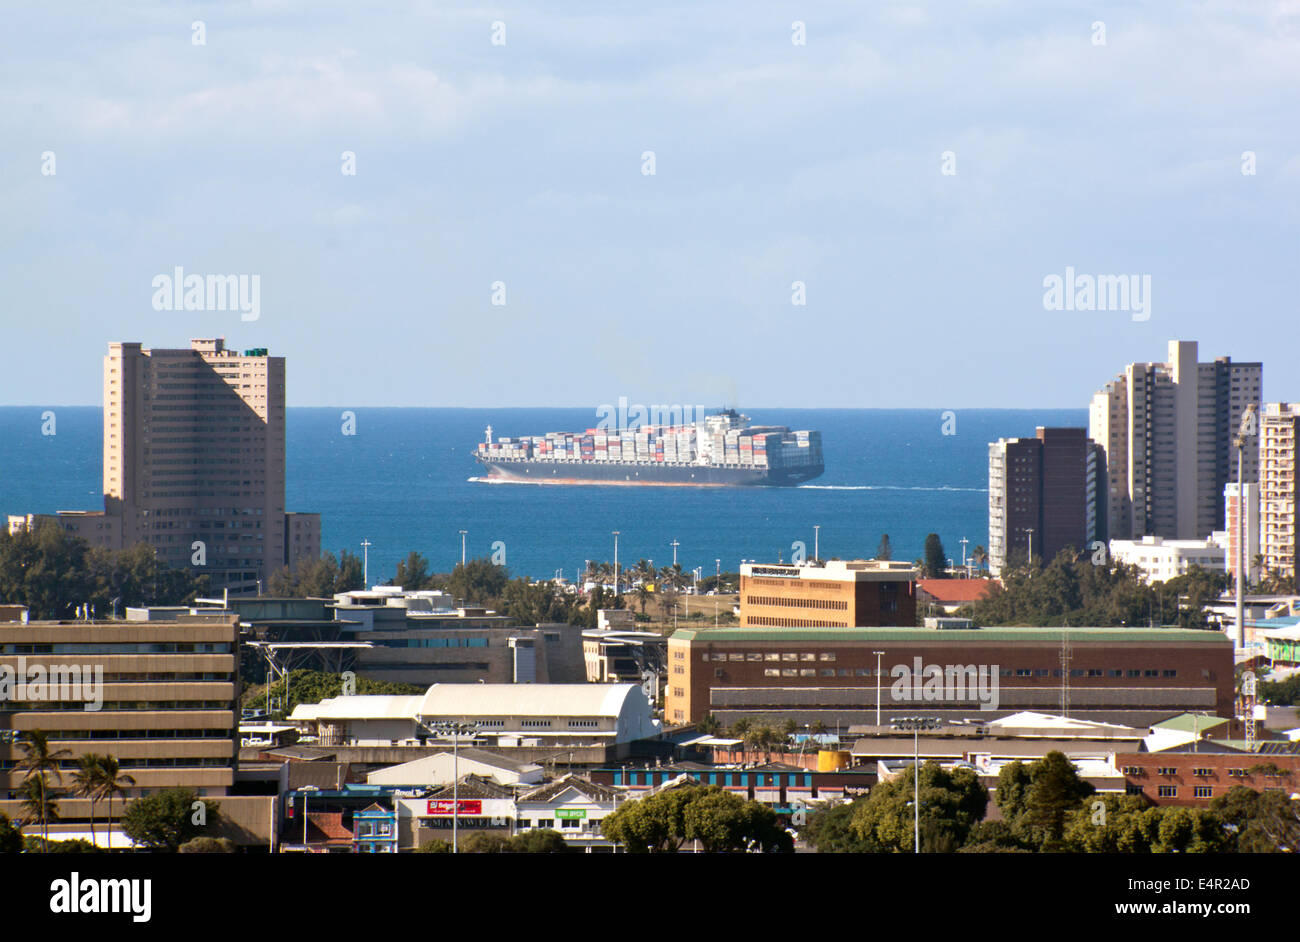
[642, 475]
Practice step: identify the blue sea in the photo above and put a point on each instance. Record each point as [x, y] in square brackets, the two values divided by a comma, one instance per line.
[402, 481]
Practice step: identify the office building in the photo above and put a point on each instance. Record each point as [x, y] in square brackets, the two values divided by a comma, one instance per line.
[836, 592]
[193, 464]
[834, 675]
[161, 697]
[1044, 496]
[1167, 430]
[1279, 464]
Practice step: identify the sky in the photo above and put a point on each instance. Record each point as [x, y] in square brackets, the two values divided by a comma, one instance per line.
[920, 169]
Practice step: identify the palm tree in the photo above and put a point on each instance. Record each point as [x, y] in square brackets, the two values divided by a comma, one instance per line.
[709, 724]
[38, 760]
[979, 556]
[740, 730]
[39, 805]
[111, 782]
[86, 783]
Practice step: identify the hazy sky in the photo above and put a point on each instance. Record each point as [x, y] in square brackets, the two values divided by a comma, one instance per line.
[774, 163]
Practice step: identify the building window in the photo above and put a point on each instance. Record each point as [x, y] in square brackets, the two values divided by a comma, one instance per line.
[772, 672]
[1203, 791]
[1203, 772]
[1166, 770]
[1167, 791]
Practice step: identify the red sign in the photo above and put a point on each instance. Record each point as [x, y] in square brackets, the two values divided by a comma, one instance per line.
[445, 806]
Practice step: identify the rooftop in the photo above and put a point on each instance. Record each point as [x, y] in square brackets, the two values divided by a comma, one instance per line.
[955, 635]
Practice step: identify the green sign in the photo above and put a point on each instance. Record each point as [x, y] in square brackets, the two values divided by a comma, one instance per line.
[571, 814]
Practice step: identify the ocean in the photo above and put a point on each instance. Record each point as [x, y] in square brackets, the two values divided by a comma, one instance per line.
[402, 481]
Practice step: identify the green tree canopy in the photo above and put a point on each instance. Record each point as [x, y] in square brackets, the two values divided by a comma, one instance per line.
[165, 820]
[1035, 799]
[720, 821]
[951, 803]
[936, 560]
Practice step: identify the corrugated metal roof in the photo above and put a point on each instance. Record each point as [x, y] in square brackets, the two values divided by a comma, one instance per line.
[954, 636]
[525, 699]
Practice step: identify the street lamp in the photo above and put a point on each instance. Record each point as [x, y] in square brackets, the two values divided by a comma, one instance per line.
[1245, 432]
[916, 724]
[365, 562]
[879, 655]
[674, 544]
[616, 580]
[817, 532]
[1029, 557]
[717, 589]
[455, 730]
[462, 548]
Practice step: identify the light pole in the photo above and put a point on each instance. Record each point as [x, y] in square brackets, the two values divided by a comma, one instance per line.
[365, 563]
[1029, 558]
[916, 724]
[455, 731]
[879, 655]
[462, 548]
[616, 592]
[1246, 431]
[817, 532]
[717, 589]
[963, 541]
[674, 544]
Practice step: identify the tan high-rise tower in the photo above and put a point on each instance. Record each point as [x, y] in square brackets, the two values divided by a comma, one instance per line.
[194, 452]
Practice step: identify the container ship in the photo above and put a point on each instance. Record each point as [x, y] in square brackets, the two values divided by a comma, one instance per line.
[723, 451]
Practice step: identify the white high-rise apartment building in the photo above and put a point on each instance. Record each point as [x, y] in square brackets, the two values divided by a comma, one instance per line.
[1167, 431]
[1279, 462]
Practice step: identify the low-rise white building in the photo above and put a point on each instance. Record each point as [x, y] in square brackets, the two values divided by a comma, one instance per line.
[507, 714]
[571, 805]
[442, 767]
[1161, 560]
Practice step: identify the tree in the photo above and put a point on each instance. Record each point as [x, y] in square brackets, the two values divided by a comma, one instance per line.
[37, 761]
[208, 845]
[351, 575]
[39, 805]
[951, 803]
[651, 825]
[1259, 822]
[11, 839]
[165, 820]
[481, 842]
[980, 556]
[829, 830]
[539, 841]
[86, 783]
[478, 581]
[1112, 824]
[992, 837]
[884, 550]
[412, 572]
[709, 725]
[112, 782]
[435, 846]
[1035, 799]
[936, 560]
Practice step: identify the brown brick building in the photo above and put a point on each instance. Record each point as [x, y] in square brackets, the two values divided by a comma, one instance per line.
[847, 594]
[1184, 777]
[1133, 676]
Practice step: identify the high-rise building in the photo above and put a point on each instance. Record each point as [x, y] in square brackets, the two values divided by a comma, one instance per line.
[1279, 463]
[1231, 529]
[194, 459]
[1167, 431]
[1046, 490]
